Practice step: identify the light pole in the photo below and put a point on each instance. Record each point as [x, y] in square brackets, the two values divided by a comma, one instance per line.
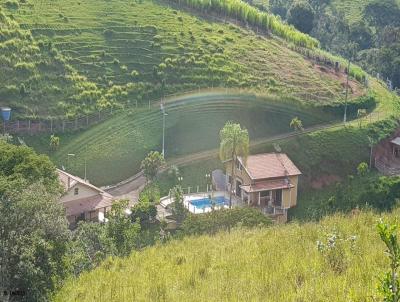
[68, 156]
[208, 176]
[180, 179]
[163, 131]
[347, 93]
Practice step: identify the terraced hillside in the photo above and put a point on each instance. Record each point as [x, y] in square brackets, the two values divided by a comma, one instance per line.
[114, 149]
[139, 50]
[34, 78]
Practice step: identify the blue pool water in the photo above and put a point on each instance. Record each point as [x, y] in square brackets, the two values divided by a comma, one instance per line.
[206, 202]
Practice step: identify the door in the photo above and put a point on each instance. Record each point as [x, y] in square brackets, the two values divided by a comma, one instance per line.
[238, 188]
[277, 195]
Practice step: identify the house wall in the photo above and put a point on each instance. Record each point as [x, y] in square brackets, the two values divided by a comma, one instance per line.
[289, 196]
[84, 192]
[242, 174]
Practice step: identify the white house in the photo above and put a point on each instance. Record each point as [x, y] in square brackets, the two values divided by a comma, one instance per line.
[82, 200]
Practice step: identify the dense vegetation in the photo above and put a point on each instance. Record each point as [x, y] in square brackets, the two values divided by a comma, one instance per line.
[373, 26]
[33, 228]
[246, 13]
[306, 262]
[123, 52]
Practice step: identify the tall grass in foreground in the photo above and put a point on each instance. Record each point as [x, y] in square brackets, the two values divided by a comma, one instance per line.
[294, 262]
[247, 13]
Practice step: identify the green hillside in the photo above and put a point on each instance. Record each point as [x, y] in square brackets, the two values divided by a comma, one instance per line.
[281, 263]
[140, 50]
[114, 149]
[35, 79]
[352, 9]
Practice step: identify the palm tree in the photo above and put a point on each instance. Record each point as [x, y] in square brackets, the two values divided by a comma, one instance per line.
[234, 143]
[54, 142]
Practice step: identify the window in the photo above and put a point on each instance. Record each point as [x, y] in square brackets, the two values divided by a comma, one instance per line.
[76, 191]
[278, 197]
[81, 217]
[264, 193]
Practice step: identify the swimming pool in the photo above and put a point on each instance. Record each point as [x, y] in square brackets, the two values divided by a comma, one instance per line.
[206, 203]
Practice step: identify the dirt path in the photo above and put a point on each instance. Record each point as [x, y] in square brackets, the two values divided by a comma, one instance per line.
[131, 187]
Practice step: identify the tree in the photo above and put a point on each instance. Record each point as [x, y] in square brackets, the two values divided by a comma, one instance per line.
[234, 143]
[54, 142]
[150, 165]
[34, 240]
[390, 285]
[34, 233]
[382, 13]
[178, 208]
[120, 228]
[301, 16]
[144, 212]
[90, 245]
[296, 124]
[362, 169]
[20, 164]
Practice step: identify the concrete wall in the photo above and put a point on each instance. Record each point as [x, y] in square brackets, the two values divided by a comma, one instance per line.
[242, 174]
[83, 192]
[289, 196]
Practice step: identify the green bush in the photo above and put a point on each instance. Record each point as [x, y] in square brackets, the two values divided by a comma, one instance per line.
[12, 4]
[225, 219]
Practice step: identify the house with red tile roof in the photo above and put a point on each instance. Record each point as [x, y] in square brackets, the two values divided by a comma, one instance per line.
[82, 200]
[268, 181]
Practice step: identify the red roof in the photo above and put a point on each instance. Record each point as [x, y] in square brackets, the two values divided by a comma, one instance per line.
[270, 165]
[267, 185]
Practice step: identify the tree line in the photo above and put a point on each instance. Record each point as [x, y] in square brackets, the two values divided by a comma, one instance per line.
[244, 12]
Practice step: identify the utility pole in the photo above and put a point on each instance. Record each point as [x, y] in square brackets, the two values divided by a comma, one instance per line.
[347, 93]
[163, 131]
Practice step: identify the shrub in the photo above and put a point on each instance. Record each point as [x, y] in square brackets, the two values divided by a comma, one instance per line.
[362, 169]
[220, 220]
[134, 74]
[301, 15]
[12, 4]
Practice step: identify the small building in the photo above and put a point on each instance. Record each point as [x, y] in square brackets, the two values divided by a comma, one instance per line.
[268, 181]
[82, 200]
[386, 155]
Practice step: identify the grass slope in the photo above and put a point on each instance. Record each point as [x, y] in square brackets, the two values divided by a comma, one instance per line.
[280, 263]
[114, 149]
[139, 50]
[35, 78]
